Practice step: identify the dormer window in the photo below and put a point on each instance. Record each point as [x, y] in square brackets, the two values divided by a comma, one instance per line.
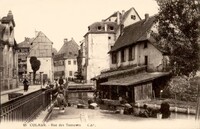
[145, 45]
[133, 17]
[88, 28]
[111, 28]
[99, 27]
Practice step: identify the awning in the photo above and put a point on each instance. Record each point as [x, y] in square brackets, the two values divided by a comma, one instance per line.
[119, 72]
[135, 79]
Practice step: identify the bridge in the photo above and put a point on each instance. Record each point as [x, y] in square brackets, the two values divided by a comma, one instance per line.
[27, 106]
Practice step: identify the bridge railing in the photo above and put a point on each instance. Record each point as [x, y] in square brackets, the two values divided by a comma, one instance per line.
[26, 107]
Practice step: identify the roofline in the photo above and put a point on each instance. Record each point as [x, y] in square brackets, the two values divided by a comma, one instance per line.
[111, 15]
[38, 35]
[99, 33]
[137, 13]
[136, 44]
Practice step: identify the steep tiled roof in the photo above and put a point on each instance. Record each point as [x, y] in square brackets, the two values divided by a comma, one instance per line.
[69, 49]
[134, 33]
[136, 79]
[113, 15]
[25, 43]
[41, 38]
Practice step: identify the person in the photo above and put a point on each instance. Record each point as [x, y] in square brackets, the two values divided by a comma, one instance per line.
[146, 113]
[25, 83]
[164, 110]
[61, 81]
[60, 97]
[128, 109]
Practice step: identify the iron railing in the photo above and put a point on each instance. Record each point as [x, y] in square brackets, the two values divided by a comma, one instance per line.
[26, 107]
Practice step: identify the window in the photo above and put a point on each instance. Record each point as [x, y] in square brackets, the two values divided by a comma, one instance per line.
[111, 47]
[74, 62]
[122, 55]
[111, 28]
[133, 17]
[99, 27]
[114, 58]
[70, 53]
[69, 62]
[131, 53]
[145, 45]
[70, 73]
[88, 28]
[109, 37]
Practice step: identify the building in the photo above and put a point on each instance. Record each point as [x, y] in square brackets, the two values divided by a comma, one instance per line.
[8, 53]
[65, 61]
[41, 47]
[99, 40]
[138, 67]
[23, 53]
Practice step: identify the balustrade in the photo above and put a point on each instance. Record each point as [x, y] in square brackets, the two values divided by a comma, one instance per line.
[26, 107]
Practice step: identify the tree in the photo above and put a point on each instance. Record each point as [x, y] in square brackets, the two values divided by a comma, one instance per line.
[35, 65]
[178, 33]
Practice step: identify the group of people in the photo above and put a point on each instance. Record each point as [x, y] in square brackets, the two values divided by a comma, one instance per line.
[164, 111]
[60, 94]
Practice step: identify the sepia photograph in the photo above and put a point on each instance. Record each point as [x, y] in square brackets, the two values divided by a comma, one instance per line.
[100, 64]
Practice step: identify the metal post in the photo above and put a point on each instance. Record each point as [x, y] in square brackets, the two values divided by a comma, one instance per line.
[41, 79]
[1, 70]
[197, 117]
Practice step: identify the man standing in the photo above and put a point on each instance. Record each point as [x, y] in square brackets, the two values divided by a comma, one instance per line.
[61, 81]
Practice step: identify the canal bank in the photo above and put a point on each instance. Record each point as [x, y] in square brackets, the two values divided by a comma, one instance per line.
[175, 105]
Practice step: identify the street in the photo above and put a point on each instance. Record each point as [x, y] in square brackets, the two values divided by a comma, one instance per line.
[100, 119]
[4, 95]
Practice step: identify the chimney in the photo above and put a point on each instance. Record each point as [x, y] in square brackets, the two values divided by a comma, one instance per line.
[36, 33]
[146, 16]
[121, 28]
[123, 11]
[118, 18]
[10, 14]
[106, 26]
[65, 40]
[27, 39]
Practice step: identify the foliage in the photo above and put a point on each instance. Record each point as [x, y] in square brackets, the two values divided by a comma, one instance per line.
[178, 33]
[35, 65]
[185, 89]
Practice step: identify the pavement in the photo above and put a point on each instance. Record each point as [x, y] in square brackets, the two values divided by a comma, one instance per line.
[97, 118]
[20, 89]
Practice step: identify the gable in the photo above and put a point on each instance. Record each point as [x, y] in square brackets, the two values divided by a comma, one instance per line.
[130, 17]
[42, 38]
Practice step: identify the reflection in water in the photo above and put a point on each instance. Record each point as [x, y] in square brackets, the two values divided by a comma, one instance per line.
[174, 115]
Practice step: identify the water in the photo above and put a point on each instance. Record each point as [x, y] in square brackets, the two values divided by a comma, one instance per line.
[174, 115]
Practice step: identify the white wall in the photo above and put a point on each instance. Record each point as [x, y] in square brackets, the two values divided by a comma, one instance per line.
[155, 57]
[97, 57]
[72, 67]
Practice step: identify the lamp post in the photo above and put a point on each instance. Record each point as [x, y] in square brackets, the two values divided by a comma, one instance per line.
[161, 91]
[197, 117]
[41, 79]
[1, 76]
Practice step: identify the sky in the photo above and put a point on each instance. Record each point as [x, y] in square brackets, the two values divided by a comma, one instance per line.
[60, 19]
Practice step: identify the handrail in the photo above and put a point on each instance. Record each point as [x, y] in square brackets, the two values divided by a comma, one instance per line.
[26, 107]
